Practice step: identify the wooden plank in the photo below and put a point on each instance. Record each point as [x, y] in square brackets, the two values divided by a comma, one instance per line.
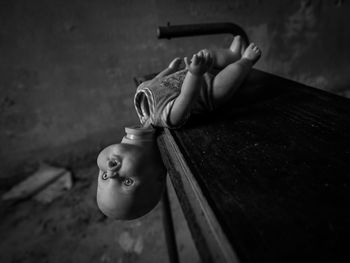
[274, 169]
[201, 217]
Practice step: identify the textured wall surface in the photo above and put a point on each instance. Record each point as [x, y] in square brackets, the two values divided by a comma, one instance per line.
[66, 68]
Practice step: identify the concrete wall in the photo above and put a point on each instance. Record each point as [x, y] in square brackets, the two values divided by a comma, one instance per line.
[66, 68]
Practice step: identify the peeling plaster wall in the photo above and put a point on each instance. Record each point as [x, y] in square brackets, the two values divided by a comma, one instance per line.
[309, 44]
[67, 66]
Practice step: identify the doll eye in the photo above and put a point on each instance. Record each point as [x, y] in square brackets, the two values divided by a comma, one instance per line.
[128, 181]
[104, 176]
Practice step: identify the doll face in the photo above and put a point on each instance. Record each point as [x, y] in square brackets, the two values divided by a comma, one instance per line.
[126, 184]
[119, 166]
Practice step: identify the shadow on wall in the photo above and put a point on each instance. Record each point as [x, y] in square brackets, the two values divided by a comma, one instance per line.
[66, 73]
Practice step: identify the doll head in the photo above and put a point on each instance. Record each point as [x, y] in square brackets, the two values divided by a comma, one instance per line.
[131, 179]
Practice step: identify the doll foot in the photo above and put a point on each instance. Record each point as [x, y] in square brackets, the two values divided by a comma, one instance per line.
[238, 46]
[252, 53]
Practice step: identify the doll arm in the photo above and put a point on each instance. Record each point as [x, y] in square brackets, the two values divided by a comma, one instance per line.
[190, 88]
[173, 67]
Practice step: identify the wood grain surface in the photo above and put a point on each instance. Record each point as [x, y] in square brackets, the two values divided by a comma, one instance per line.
[274, 168]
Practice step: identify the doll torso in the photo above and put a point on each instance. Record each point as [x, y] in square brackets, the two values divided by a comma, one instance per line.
[154, 99]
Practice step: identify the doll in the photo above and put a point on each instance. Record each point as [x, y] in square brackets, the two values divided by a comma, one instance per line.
[132, 175]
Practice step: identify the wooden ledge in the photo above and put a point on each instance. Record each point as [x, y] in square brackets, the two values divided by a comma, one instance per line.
[267, 178]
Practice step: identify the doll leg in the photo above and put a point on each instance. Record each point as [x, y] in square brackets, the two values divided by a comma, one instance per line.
[227, 81]
[223, 57]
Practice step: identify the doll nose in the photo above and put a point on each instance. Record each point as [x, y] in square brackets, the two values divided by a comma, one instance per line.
[111, 174]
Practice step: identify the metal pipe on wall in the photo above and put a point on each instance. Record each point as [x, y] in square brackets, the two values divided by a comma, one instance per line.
[170, 31]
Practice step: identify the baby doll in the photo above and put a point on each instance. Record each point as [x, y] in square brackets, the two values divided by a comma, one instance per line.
[132, 175]
[209, 80]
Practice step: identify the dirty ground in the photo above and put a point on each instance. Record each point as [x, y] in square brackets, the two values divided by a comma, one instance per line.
[72, 229]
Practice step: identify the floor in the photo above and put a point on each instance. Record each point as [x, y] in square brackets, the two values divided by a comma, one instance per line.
[72, 229]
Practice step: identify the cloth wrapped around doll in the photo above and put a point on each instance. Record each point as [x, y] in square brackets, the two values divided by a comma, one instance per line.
[154, 98]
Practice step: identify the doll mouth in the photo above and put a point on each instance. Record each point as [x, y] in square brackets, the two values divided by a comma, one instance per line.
[113, 164]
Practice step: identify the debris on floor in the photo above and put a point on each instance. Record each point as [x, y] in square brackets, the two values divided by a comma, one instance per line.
[72, 229]
[44, 185]
[55, 189]
[130, 244]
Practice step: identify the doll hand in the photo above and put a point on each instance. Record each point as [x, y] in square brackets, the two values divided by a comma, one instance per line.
[200, 63]
[175, 64]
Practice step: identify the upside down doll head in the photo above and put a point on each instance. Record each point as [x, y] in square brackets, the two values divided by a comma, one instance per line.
[131, 176]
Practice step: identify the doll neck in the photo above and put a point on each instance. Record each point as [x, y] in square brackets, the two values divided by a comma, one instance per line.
[138, 135]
